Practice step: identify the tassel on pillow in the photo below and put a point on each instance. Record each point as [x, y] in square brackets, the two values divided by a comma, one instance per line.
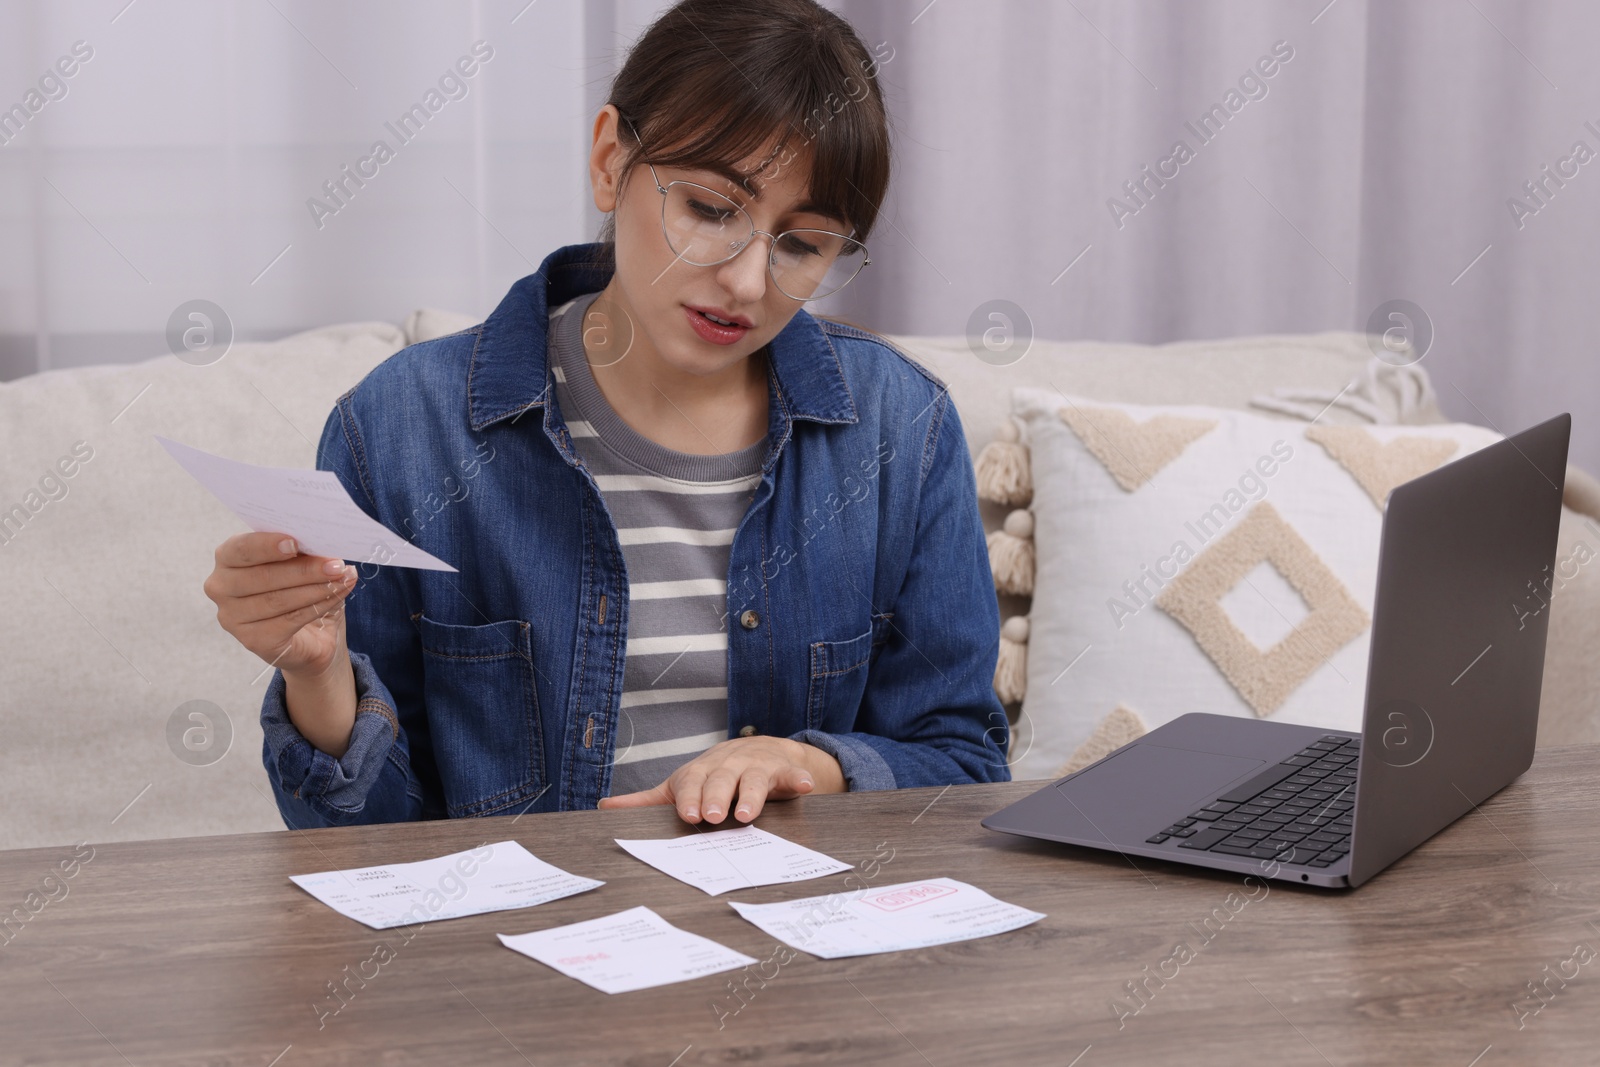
[1011, 669]
[1002, 468]
[1011, 554]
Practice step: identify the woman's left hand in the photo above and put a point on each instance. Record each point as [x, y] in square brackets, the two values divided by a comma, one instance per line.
[754, 768]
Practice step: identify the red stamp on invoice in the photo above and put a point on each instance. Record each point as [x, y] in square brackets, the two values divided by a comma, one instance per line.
[588, 957]
[906, 896]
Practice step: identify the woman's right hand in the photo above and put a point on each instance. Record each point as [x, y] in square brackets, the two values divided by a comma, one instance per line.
[285, 607]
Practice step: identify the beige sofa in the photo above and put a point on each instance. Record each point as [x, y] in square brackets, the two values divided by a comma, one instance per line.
[125, 712]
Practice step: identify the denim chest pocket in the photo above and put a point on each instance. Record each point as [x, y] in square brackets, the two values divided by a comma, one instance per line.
[483, 714]
[838, 675]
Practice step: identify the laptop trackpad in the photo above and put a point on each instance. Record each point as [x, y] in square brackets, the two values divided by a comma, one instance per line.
[1135, 793]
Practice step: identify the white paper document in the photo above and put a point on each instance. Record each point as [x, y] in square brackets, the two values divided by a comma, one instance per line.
[633, 949]
[741, 858]
[491, 877]
[909, 915]
[310, 506]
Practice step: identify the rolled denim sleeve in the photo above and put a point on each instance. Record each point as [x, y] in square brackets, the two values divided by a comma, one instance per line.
[314, 788]
[863, 766]
[373, 781]
[929, 715]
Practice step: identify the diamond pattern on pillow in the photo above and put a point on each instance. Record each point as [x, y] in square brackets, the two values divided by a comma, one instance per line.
[1103, 554]
[1264, 678]
[1380, 466]
[1133, 451]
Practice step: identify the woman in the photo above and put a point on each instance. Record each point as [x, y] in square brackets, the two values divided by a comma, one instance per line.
[711, 550]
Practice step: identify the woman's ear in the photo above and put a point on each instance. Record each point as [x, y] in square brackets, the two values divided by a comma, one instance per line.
[605, 159]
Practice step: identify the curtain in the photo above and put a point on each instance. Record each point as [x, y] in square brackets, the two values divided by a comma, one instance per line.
[1340, 163]
[1440, 153]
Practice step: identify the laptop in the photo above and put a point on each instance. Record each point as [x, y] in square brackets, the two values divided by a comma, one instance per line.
[1451, 709]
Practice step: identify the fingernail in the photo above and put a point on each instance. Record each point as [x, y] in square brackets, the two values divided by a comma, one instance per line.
[333, 566]
[712, 813]
[286, 546]
[691, 813]
[744, 812]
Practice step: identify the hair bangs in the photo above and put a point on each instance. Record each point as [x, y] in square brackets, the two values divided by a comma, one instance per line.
[785, 83]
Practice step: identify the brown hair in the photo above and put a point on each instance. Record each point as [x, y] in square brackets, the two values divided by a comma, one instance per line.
[712, 82]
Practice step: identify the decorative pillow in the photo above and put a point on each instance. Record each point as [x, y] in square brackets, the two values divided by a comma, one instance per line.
[1197, 559]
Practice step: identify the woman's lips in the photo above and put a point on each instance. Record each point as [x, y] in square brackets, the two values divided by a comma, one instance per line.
[714, 332]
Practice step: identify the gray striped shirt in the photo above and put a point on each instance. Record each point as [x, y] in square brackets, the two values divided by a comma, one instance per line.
[675, 515]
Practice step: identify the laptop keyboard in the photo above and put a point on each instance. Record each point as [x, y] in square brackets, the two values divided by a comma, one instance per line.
[1298, 811]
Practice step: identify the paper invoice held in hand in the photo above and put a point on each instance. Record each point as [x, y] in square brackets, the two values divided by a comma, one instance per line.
[310, 506]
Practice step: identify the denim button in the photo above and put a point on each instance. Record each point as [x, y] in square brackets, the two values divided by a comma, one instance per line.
[747, 731]
[749, 620]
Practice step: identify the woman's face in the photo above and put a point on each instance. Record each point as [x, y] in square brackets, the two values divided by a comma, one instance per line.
[663, 296]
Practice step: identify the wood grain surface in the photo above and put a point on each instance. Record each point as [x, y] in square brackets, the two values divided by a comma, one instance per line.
[200, 951]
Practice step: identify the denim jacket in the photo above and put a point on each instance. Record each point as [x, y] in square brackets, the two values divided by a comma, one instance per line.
[861, 614]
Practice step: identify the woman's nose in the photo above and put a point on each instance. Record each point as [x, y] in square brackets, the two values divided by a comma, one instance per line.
[745, 275]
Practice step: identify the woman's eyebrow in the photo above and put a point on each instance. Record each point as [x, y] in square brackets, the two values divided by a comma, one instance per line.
[745, 183]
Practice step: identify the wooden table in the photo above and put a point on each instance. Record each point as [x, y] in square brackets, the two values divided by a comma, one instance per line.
[201, 951]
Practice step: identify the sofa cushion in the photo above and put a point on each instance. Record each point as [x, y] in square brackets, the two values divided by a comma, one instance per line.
[1569, 703]
[427, 324]
[1237, 552]
[1226, 373]
[128, 712]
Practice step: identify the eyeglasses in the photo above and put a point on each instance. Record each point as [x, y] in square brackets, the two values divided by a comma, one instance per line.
[705, 228]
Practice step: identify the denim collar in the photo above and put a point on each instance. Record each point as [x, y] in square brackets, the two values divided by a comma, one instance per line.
[510, 371]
